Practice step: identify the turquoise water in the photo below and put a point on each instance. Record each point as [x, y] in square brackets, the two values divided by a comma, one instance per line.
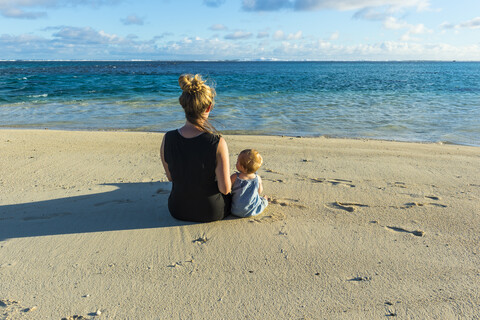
[405, 101]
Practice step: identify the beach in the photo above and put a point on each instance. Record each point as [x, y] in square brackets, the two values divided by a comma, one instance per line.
[355, 229]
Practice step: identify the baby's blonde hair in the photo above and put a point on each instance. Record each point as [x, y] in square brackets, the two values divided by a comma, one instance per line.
[250, 159]
[195, 100]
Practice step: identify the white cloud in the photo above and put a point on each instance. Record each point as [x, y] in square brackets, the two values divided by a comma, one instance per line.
[162, 36]
[75, 43]
[86, 36]
[395, 24]
[447, 25]
[370, 14]
[262, 34]
[32, 9]
[334, 36]
[218, 27]
[17, 13]
[419, 29]
[238, 35]
[310, 5]
[133, 19]
[295, 36]
[470, 24]
[357, 4]
[265, 5]
[213, 3]
[322, 45]
[280, 35]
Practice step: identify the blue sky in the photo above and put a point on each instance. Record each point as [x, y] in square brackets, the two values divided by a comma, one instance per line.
[240, 29]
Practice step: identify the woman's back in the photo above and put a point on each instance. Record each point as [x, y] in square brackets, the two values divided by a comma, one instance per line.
[192, 161]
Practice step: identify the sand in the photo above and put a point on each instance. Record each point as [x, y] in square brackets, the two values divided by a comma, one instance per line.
[357, 229]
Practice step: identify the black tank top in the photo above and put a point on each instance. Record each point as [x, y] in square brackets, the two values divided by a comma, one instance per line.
[192, 162]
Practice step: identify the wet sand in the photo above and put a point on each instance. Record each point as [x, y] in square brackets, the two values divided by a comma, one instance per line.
[356, 229]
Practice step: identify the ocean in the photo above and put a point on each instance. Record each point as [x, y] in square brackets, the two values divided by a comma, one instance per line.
[402, 101]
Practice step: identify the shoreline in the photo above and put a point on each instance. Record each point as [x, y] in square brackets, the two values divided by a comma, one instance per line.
[358, 229]
[245, 133]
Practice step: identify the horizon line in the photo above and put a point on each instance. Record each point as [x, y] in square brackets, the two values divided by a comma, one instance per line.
[227, 60]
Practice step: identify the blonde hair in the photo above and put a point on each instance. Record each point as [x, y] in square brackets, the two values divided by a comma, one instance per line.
[250, 160]
[196, 98]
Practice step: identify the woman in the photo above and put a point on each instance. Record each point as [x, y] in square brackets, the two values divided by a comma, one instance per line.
[195, 158]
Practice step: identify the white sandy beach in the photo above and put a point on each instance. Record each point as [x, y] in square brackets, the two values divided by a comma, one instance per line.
[357, 229]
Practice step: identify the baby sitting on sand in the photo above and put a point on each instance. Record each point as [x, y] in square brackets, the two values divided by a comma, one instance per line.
[247, 185]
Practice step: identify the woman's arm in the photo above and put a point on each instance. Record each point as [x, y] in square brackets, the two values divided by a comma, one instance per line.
[222, 171]
[233, 177]
[260, 185]
[165, 165]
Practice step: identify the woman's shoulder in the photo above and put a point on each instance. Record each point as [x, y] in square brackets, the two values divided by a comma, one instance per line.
[212, 139]
[172, 134]
[213, 136]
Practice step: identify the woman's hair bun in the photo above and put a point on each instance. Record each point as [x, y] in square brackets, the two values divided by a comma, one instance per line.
[191, 83]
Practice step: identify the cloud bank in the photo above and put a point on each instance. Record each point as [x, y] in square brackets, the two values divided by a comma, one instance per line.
[68, 42]
[310, 5]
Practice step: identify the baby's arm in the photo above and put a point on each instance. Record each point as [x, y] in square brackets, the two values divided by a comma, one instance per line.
[260, 185]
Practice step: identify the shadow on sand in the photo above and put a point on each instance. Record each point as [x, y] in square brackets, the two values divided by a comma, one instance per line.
[130, 206]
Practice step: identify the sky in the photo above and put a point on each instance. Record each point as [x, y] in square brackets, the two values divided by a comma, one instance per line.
[240, 29]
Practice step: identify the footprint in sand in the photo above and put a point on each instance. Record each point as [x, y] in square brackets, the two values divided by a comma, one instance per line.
[334, 182]
[48, 216]
[4, 303]
[120, 201]
[162, 191]
[272, 171]
[180, 263]
[274, 180]
[360, 279]
[9, 308]
[389, 312]
[419, 204]
[75, 317]
[202, 239]
[342, 182]
[418, 233]
[268, 217]
[272, 214]
[8, 265]
[397, 184]
[286, 203]
[347, 206]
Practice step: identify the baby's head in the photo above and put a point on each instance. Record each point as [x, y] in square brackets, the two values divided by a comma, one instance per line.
[249, 160]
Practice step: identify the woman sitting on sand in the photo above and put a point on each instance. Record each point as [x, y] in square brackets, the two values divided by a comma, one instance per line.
[195, 158]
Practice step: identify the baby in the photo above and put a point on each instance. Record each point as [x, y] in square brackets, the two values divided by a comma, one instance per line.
[247, 185]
